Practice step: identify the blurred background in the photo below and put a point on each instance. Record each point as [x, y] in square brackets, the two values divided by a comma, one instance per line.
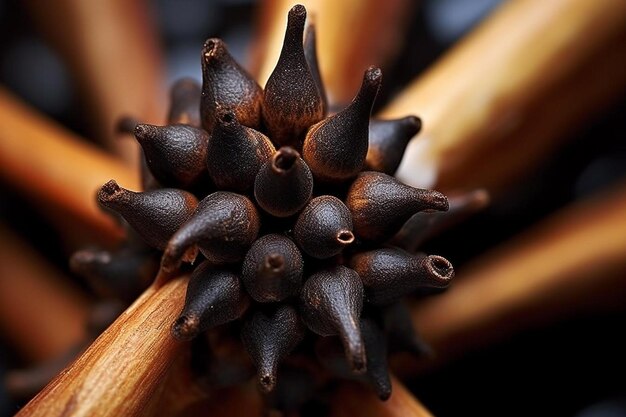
[572, 368]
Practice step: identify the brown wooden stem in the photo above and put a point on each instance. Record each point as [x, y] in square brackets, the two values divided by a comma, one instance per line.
[120, 373]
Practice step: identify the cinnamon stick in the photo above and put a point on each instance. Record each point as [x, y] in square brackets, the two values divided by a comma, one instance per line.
[53, 166]
[120, 373]
[489, 94]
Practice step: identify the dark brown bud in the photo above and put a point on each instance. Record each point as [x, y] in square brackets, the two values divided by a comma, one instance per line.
[175, 154]
[422, 226]
[336, 147]
[236, 153]
[390, 273]
[223, 227]
[227, 85]
[330, 355]
[268, 338]
[380, 204]
[310, 53]
[324, 227]
[376, 353]
[185, 103]
[155, 215]
[284, 184]
[401, 332]
[214, 296]
[387, 142]
[331, 303]
[122, 274]
[291, 101]
[272, 269]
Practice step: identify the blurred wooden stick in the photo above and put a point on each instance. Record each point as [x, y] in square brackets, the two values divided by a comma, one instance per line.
[41, 315]
[572, 262]
[112, 50]
[351, 34]
[353, 399]
[53, 166]
[120, 373]
[486, 99]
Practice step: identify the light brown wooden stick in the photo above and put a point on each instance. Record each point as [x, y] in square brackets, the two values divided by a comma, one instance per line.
[353, 399]
[352, 35]
[119, 374]
[41, 315]
[54, 166]
[113, 52]
[572, 262]
[488, 88]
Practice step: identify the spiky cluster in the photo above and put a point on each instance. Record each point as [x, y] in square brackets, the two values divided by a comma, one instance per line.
[285, 212]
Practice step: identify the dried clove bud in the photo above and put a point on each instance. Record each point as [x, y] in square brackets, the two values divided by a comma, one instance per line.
[122, 274]
[284, 184]
[223, 227]
[310, 53]
[268, 338]
[329, 354]
[236, 153]
[388, 140]
[390, 273]
[175, 154]
[380, 204]
[185, 103]
[155, 215]
[292, 101]
[422, 226]
[214, 297]
[331, 302]
[401, 332]
[336, 147]
[272, 269]
[324, 227]
[227, 85]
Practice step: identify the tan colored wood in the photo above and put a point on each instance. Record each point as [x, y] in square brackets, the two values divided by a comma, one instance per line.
[491, 90]
[121, 372]
[571, 263]
[113, 53]
[55, 167]
[353, 399]
[41, 315]
[351, 36]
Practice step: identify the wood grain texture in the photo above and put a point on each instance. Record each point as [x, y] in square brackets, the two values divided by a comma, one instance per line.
[121, 372]
[353, 399]
[55, 167]
[570, 264]
[511, 89]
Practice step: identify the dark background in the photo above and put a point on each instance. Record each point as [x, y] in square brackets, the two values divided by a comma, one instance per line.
[575, 368]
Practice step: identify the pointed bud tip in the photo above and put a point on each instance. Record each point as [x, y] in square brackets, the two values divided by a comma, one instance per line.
[109, 191]
[297, 11]
[438, 201]
[414, 123]
[143, 131]
[185, 328]
[275, 262]
[384, 392]
[440, 269]
[284, 159]
[212, 48]
[267, 382]
[225, 117]
[345, 237]
[373, 75]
